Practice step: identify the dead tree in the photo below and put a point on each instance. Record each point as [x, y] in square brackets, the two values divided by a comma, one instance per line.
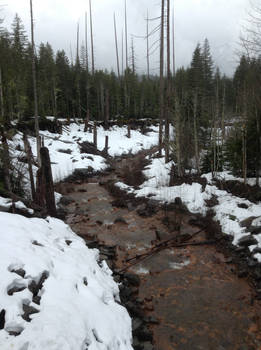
[86, 77]
[36, 117]
[195, 129]
[148, 48]
[6, 161]
[95, 134]
[126, 36]
[116, 47]
[93, 69]
[161, 102]
[167, 117]
[29, 156]
[46, 182]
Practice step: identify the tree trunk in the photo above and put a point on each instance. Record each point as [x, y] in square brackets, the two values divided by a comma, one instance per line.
[177, 129]
[38, 141]
[47, 180]
[195, 107]
[116, 47]
[91, 37]
[6, 162]
[126, 36]
[167, 117]
[107, 107]
[148, 48]
[161, 102]
[29, 155]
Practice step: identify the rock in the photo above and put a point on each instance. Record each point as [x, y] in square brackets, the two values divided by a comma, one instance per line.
[247, 222]
[19, 272]
[251, 262]
[148, 346]
[136, 324]
[242, 205]
[255, 230]
[136, 344]
[66, 200]
[16, 289]
[257, 273]
[133, 280]
[2, 319]
[257, 250]
[144, 334]
[178, 202]
[92, 244]
[242, 273]
[247, 241]
[120, 220]
[28, 311]
[134, 310]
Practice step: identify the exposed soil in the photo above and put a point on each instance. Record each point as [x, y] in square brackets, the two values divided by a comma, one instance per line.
[195, 295]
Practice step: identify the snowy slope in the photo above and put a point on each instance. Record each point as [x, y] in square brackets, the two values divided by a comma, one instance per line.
[78, 309]
[193, 196]
[63, 164]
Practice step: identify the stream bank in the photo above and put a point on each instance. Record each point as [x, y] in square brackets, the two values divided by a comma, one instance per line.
[189, 297]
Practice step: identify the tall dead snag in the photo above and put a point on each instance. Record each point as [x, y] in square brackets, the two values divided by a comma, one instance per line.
[244, 137]
[195, 129]
[148, 48]
[173, 43]
[126, 36]
[29, 156]
[47, 182]
[90, 4]
[116, 47]
[107, 108]
[178, 136]
[106, 147]
[38, 139]
[167, 117]
[6, 161]
[95, 134]
[87, 77]
[161, 102]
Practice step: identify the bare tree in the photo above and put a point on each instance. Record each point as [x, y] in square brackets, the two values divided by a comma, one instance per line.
[148, 48]
[161, 102]
[116, 46]
[251, 37]
[167, 117]
[126, 36]
[93, 69]
[38, 139]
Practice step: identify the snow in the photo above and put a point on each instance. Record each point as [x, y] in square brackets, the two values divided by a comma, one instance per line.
[227, 176]
[63, 164]
[194, 197]
[79, 306]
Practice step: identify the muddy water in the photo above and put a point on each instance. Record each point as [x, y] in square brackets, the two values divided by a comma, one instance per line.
[192, 291]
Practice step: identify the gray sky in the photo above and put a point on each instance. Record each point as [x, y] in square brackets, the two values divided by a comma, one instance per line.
[56, 20]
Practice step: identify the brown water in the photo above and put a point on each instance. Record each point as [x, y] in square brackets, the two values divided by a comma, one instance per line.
[199, 301]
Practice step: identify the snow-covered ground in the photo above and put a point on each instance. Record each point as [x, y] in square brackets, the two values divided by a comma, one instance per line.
[77, 305]
[78, 308]
[194, 197]
[63, 164]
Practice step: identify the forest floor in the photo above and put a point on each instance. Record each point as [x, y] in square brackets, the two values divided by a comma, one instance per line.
[194, 296]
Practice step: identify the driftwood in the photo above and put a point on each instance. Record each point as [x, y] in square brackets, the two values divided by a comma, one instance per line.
[169, 243]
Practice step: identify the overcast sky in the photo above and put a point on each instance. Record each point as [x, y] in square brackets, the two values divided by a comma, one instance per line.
[56, 21]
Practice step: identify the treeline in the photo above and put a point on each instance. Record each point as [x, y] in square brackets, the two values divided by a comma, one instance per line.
[64, 87]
